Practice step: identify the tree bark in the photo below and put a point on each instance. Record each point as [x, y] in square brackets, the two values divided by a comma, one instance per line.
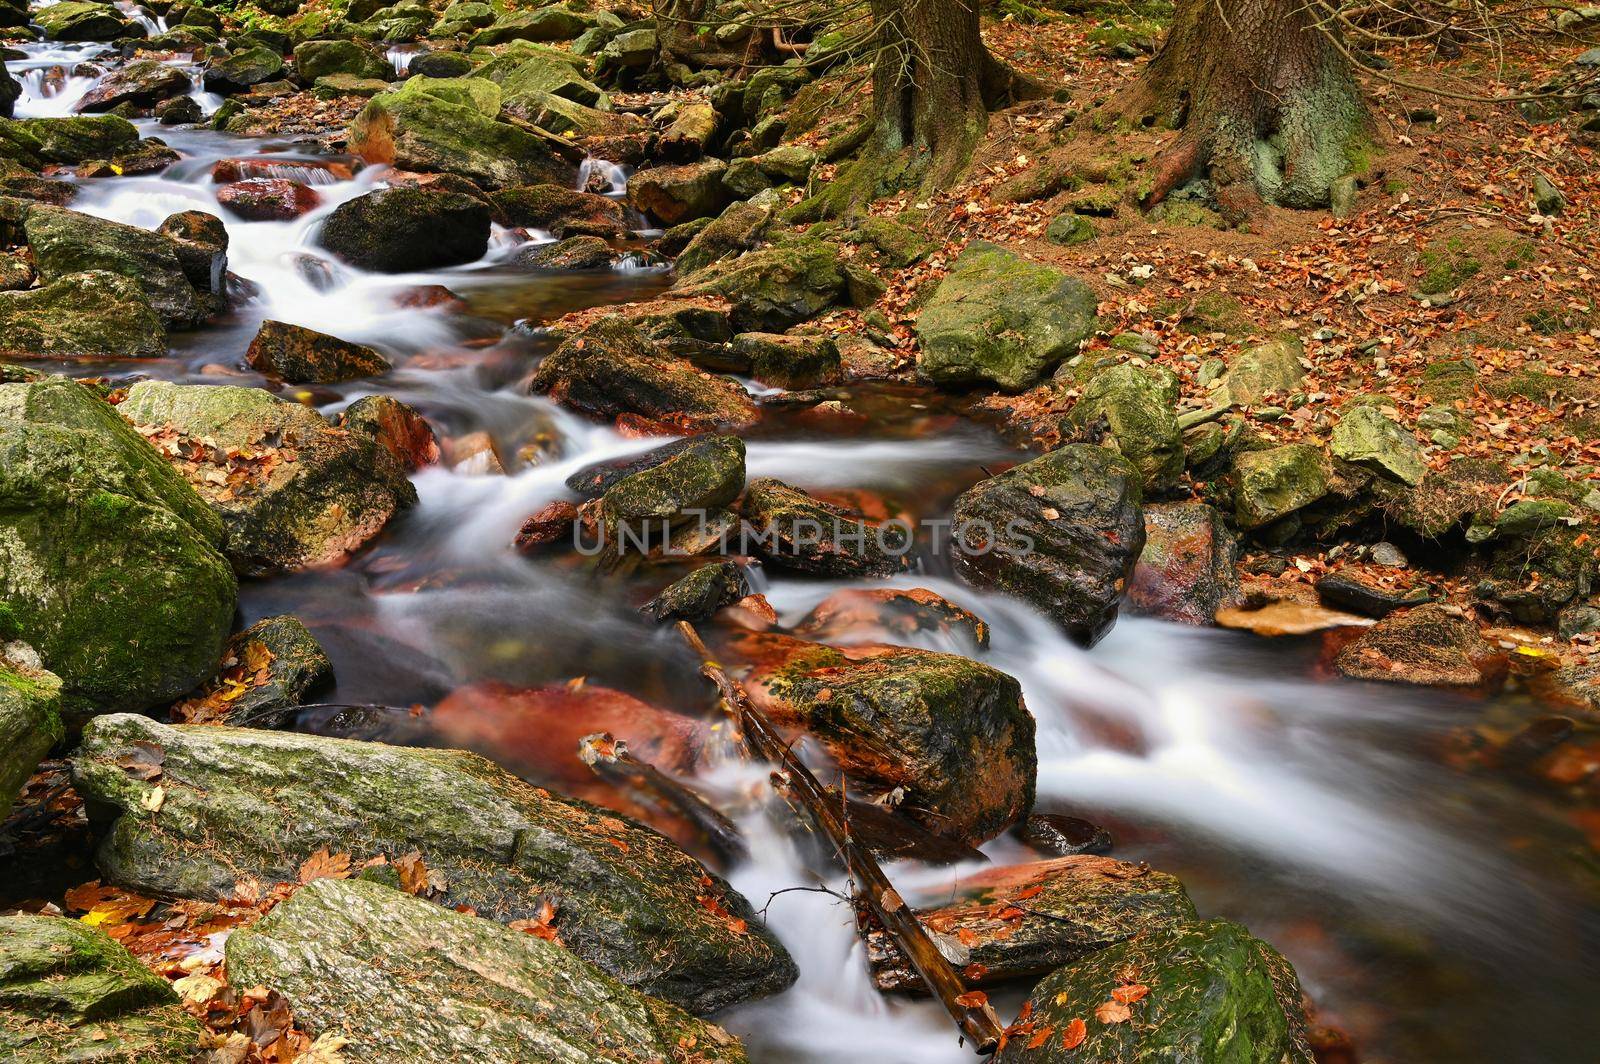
[1265, 100]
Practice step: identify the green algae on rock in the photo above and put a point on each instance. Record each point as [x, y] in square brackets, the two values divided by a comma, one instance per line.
[1366, 438]
[30, 720]
[1138, 406]
[243, 802]
[796, 531]
[1277, 482]
[704, 474]
[369, 962]
[97, 314]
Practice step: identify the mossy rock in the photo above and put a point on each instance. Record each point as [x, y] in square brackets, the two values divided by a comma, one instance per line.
[243, 802]
[740, 228]
[401, 230]
[96, 314]
[793, 530]
[429, 132]
[780, 286]
[292, 664]
[69, 993]
[66, 242]
[1366, 438]
[525, 71]
[316, 59]
[108, 563]
[682, 192]
[1215, 994]
[1138, 406]
[787, 361]
[1069, 229]
[1272, 369]
[243, 70]
[304, 356]
[700, 594]
[703, 474]
[78, 139]
[1273, 483]
[1452, 378]
[556, 22]
[1002, 320]
[30, 721]
[73, 20]
[364, 961]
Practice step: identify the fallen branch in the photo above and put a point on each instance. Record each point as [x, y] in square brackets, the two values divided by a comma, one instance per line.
[977, 1019]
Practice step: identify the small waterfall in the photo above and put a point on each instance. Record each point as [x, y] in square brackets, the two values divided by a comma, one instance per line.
[600, 175]
[401, 55]
[153, 24]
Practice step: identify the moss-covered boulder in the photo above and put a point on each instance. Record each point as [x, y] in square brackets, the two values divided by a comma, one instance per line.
[573, 253]
[243, 70]
[1430, 645]
[1063, 532]
[543, 71]
[1364, 437]
[554, 22]
[242, 802]
[30, 721]
[365, 961]
[400, 230]
[680, 193]
[69, 993]
[75, 20]
[705, 473]
[612, 369]
[561, 211]
[1025, 920]
[1187, 571]
[108, 563]
[740, 228]
[1265, 371]
[77, 139]
[295, 492]
[1136, 406]
[951, 735]
[778, 287]
[426, 130]
[787, 360]
[315, 59]
[10, 91]
[142, 83]
[1210, 992]
[700, 594]
[96, 314]
[1278, 481]
[267, 672]
[794, 530]
[999, 319]
[304, 356]
[66, 242]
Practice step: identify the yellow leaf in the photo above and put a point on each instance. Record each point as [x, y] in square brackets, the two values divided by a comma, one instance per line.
[152, 799]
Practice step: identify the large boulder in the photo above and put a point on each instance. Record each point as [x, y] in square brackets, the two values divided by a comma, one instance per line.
[69, 993]
[556, 22]
[292, 491]
[700, 475]
[1137, 406]
[562, 211]
[1197, 992]
[243, 70]
[525, 71]
[365, 961]
[1278, 481]
[612, 369]
[1187, 571]
[1000, 319]
[142, 83]
[680, 193]
[242, 804]
[1025, 920]
[304, 356]
[30, 721]
[67, 242]
[781, 286]
[1364, 437]
[1063, 531]
[75, 20]
[316, 59]
[78, 139]
[418, 129]
[108, 559]
[793, 530]
[950, 735]
[96, 314]
[399, 230]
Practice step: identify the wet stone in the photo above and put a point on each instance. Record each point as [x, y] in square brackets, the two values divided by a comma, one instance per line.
[700, 594]
[1064, 836]
[304, 356]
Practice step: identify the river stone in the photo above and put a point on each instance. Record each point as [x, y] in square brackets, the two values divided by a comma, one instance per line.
[1366, 438]
[30, 720]
[613, 369]
[95, 314]
[999, 319]
[247, 802]
[894, 615]
[556, 22]
[1265, 370]
[573, 253]
[1026, 920]
[425, 131]
[795, 531]
[1215, 994]
[1535, 536]
[700, 594]
[1430, 645]
[1138, 406]
[77, 139]
[107, 560]
[1276, 482]
[680, 193]
[441, 64]
[291, 663]
[267, 199]
[304, 356]
[563, 212]
[318, 494]
[778, 287]
[69, 993]
[952, 735]
[398, 427]
[365, 961]
[706, 473]
[72, 20]
[315, 59]
[402, 230]
[1063, 531]
[243, 70]
[787, 361]
[142, 83]
[67, 242]
[1187, 571]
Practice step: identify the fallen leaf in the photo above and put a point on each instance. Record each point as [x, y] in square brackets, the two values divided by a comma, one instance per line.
[1127, 995]
[1113, 1012]
[325, 865]
[972, 999]
[1073, 1035]
[152, 800]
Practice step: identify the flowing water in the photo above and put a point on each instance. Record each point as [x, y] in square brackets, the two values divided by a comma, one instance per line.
[1437, 914]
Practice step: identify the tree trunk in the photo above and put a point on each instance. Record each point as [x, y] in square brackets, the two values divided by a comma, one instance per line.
[1265, 101]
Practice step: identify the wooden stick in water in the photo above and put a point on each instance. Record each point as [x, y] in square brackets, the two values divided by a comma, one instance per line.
[978, 1021]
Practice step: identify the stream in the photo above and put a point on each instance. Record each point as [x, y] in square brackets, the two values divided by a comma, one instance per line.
[1434, 913]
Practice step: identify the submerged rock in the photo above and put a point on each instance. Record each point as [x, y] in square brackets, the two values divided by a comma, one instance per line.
[302, 493]
[97, 314]
[245, 803]
[399, 230]
[108, 559]
[1026, 920]
[69, 993]
[1002, 320]
[30, 721]
[1063, 531]
[1430, 645]
[1201, 991]
[1187, 571]
[796, 531]
[951, 735]
[368, 962]
[893, 614]
[304, 356]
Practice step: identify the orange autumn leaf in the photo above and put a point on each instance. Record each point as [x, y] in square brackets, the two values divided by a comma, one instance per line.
[1030, 892]
[1127, 995]
[1040, 1037]
[1113, 1012]
[325, 865]
[1073, 1035]
[972, 999]
[413, 873]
